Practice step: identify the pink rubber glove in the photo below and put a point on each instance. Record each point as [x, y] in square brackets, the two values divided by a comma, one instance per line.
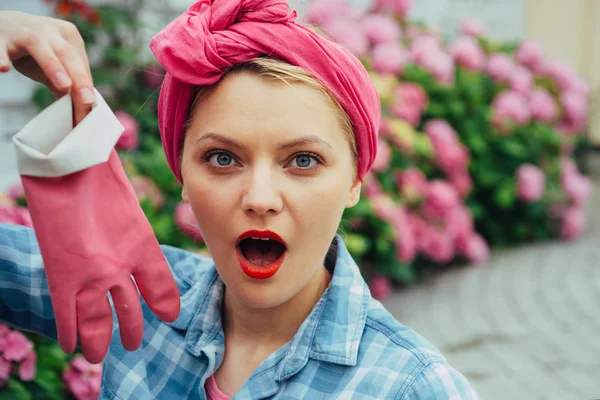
[93, 237]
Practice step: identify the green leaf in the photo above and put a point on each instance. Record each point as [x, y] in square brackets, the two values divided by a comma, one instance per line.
[395, 269]
[383, 246]
[505, 194]
[514, 148]
[357, 244]
[14, 391]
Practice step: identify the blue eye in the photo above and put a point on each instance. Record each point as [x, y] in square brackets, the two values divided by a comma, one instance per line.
[220, 159]
[305, 161]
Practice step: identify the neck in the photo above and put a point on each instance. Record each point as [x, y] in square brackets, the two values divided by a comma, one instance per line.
[271, 328]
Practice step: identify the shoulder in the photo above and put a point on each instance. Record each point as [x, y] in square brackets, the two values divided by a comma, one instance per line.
[419, 369]
[188, 268]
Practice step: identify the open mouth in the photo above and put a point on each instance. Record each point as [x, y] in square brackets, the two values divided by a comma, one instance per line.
[261, 252]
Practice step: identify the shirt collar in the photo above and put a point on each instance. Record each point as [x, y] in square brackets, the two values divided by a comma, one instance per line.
[332, 331]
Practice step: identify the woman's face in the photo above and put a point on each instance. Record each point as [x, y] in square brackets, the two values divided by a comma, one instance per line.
[263, 155]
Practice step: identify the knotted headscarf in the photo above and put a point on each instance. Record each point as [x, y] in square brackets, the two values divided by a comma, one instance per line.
[212, 35]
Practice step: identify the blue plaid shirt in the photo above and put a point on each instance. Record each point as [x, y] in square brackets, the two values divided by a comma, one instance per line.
[349, 347]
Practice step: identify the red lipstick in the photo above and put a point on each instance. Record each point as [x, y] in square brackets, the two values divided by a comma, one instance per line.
[255, 271]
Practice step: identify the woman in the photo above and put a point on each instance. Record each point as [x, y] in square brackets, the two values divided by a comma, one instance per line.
[270, 131]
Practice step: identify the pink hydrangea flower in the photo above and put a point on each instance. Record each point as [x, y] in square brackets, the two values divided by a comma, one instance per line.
[441, 198]
[380, 287]
[322, 12]
[531, 183]
[521, 80]
[530, 54]
[384, 207]
[83, 379]
[577, 187]
[467, 52]
[398, 7]
[16, 346]
[27, 367]
[462, 182]
[348, 33]
[500, 67]
[186, 221]
[459, 222]
[575, 108]
[418, 227]
[573, 223]
[383, 156]
[510, 108]
[472, 27]
[562, 73]
[411, 184]
[5, 369]
[474, 248]
[389, 58]
[421, 46]
[409, 102]
[406, 246]
[437, 245]
[381, 29]
[543, 106]
[440, 131]
[453, 158]
[130, 139]
[371, 186]
[426, 52]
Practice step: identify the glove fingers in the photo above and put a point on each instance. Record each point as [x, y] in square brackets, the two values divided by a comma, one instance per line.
[66, 323]
[157, 286]
[94, 322]
[126, 301]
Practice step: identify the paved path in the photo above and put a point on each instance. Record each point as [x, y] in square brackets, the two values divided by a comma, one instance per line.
[525, 326]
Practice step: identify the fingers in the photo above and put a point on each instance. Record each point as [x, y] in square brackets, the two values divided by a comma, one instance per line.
[157, 286]
[82, 91]
[5, 63]
[94, 323]
[82, 88]
[45, 57]
[126, 301]
[55, 56]
[66, 324]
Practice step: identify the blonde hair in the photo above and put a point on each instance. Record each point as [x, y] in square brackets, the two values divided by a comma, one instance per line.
[278, 70]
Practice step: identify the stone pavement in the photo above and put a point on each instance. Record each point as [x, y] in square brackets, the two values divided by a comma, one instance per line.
[524, 326]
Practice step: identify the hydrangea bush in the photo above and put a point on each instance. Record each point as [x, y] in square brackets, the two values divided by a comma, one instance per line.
[477, 142]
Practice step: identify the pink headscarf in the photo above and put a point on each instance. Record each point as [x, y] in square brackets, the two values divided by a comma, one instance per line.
[212, 35]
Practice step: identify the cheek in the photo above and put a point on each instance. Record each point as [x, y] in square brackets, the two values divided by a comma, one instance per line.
[318, 204]
[211, 203]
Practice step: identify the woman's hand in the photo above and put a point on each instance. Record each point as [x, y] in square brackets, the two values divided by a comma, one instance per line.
[50, 51]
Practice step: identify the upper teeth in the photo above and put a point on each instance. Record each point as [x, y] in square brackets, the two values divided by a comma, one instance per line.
[257, 238]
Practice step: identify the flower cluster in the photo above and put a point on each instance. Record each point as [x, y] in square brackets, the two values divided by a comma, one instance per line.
[17, 356]
[83, 379]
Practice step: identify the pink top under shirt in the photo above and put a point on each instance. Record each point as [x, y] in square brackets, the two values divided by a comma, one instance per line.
[212, 390]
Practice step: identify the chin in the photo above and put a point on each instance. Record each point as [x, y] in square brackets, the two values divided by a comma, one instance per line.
[262, 296]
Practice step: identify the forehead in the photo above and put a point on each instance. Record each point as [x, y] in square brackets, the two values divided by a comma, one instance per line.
[244, 102]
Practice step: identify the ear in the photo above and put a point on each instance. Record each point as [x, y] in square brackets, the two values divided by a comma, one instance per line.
[184, 194]
[354, 195]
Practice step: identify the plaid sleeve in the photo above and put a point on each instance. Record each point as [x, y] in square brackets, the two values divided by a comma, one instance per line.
[438, 380]
[24, 296]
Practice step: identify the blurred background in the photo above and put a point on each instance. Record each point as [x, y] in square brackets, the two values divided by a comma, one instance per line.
[479, 224]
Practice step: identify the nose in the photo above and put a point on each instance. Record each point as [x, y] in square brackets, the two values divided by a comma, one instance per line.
[261, 195]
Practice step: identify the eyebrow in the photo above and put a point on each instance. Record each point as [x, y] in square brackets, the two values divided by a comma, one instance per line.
[303, 140]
